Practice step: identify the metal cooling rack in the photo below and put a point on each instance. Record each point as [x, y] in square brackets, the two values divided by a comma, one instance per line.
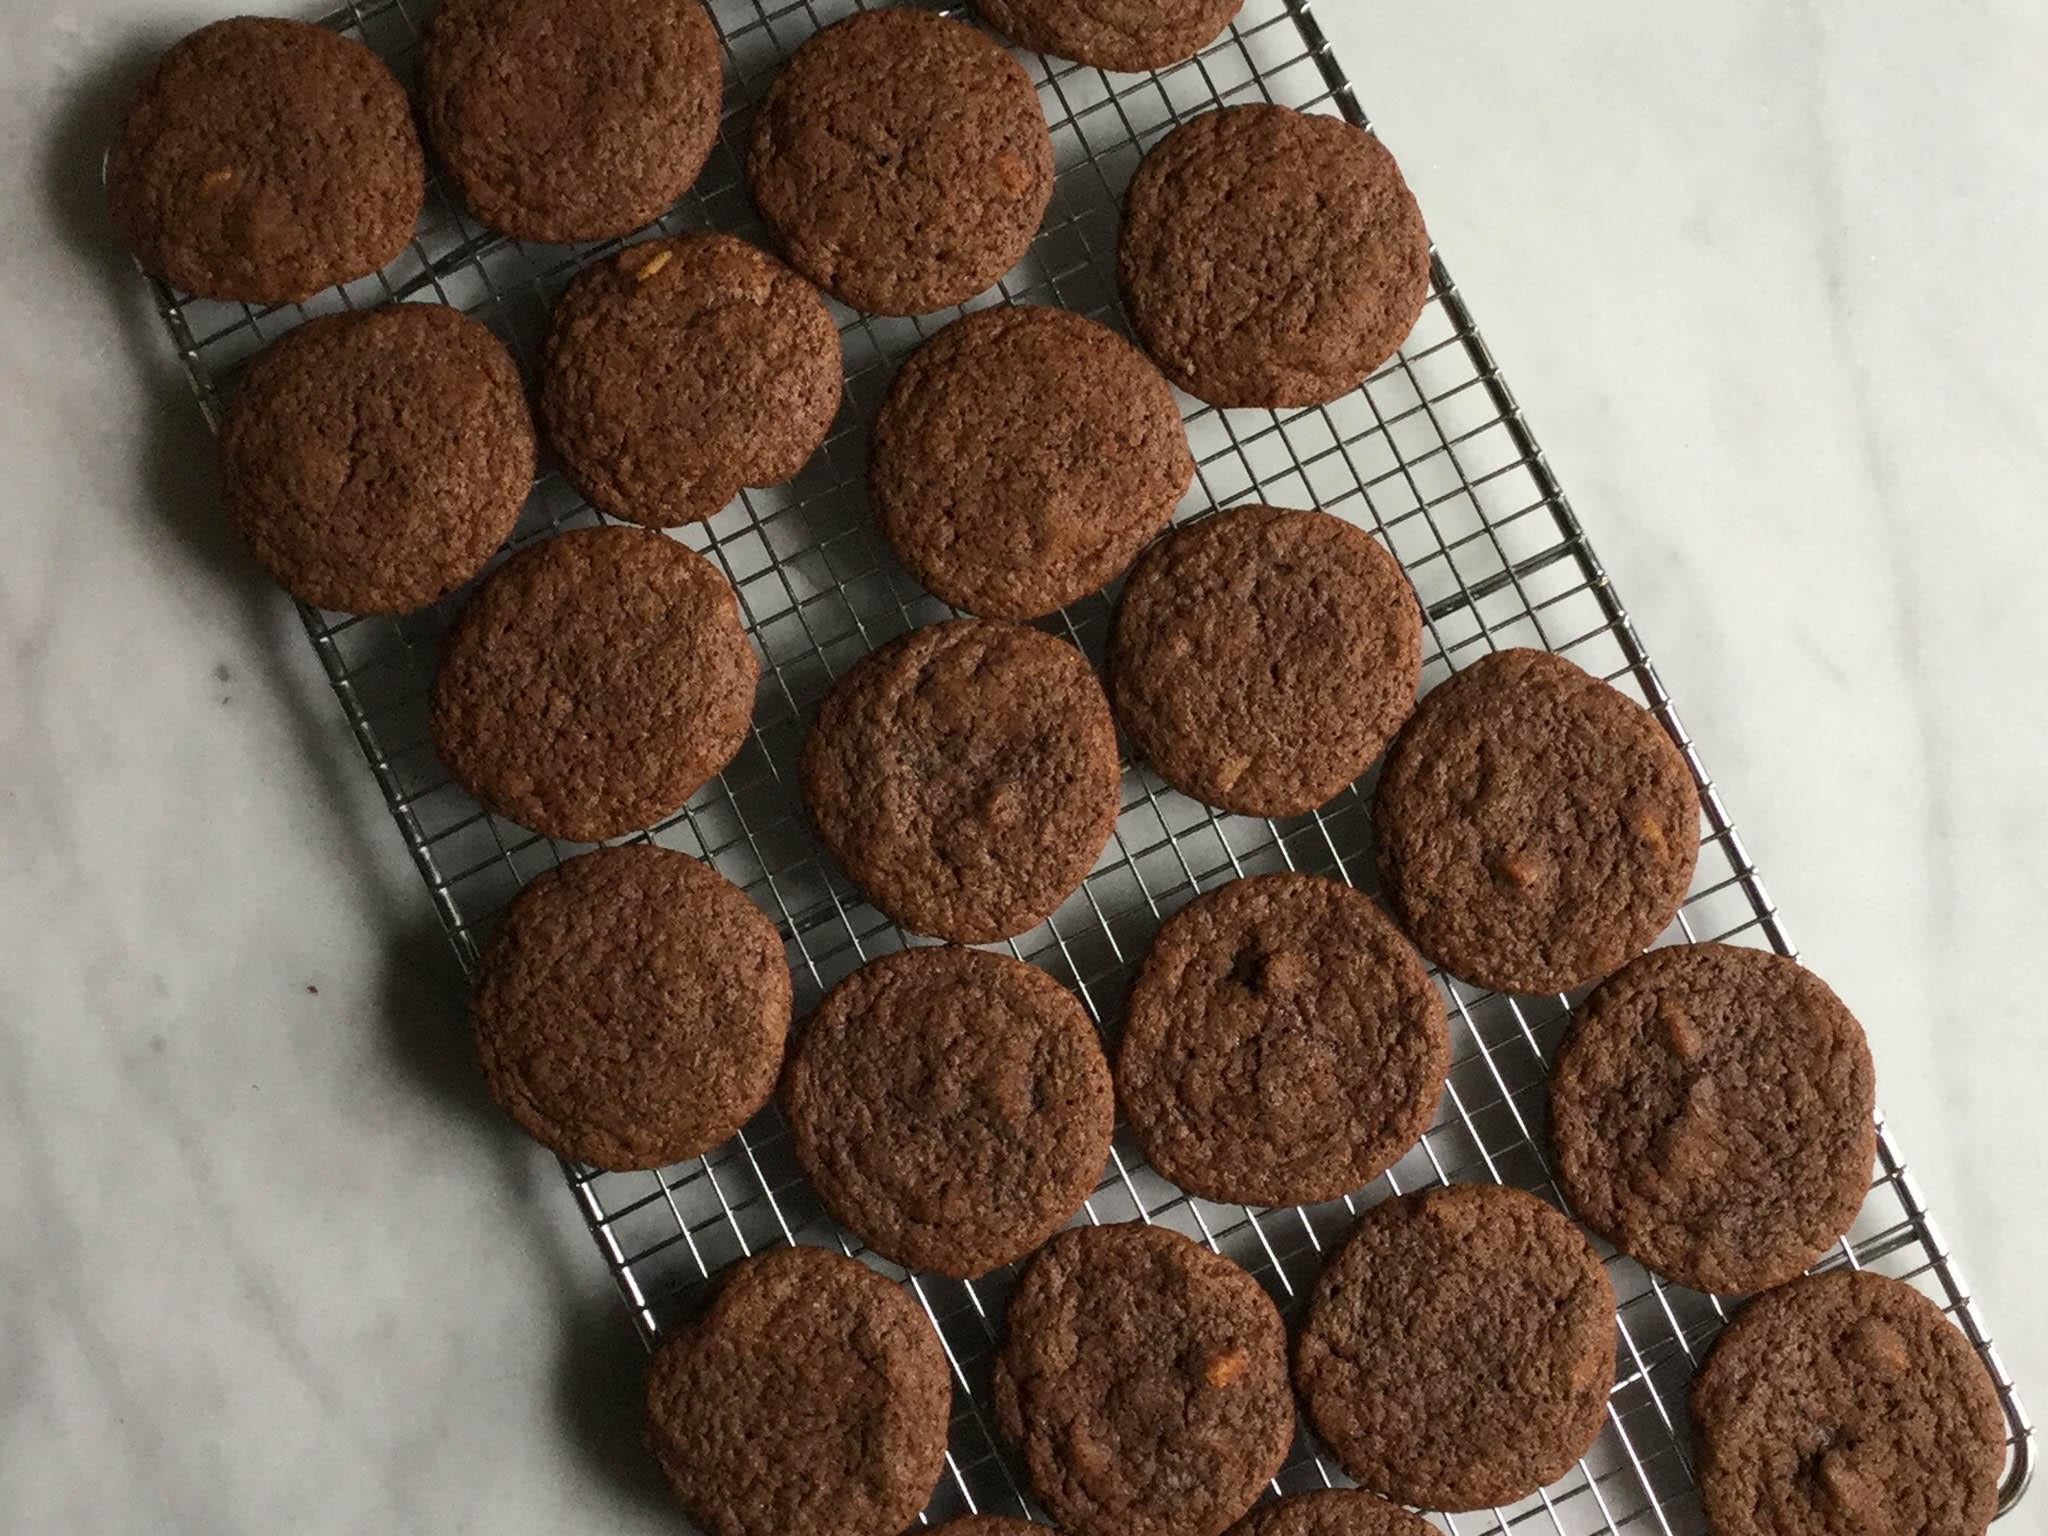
[1432, 455]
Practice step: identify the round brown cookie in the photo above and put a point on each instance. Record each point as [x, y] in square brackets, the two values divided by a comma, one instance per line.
[1843, 1403]
[563, 121]
[966, 775]
[1271, 258]
[903, 160]
[1331, 1512]
[1536, 827]
[594, 683]
[1283, 1043]
[1712, 1112]
[1022, 459]
[374, 461]
[1145, 1380]
[952, 1107]
[263, 160]
[681, 370]
[1459, 1349]
[1126, 35]
[631, 1008]
[811, 1400]
[1262, 658]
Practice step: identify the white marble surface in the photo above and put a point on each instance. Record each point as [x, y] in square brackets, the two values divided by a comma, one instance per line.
[1766, 277]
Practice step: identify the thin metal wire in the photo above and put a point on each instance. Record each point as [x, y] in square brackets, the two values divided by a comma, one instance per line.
[1432, 455]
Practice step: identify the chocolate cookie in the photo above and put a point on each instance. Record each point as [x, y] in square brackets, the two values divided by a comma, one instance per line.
[1262, 658]
[563, 121]
[903, 160]
[1712, 1115]
[951, 1106]
[264, 160]
[374, 461]
[680, 371]
[966, 775]
[1331, 1512]
[1271, 258]
[1127, 35]
[1144, 1379]
[1283, 1043]
[811, 1400]
[1536, 827]
[1846, 1402]
[1459, 1348]
[631, 1008]
[1023, 458]
[594, 683]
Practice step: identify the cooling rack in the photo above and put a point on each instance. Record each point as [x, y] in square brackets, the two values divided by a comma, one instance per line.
[1432, 455]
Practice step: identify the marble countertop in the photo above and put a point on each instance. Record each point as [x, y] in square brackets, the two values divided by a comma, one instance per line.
[1766, 284]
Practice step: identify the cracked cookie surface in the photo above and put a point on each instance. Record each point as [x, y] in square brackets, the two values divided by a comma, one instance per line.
[1144, 1379]
[966, 775]
[1711, 1111]
[374, 461]
[1125, 35]
[264, 160]
[952, 1107]
[682, 370]
[1262, 658]
[812, 1399]
[1283, 1043]
[1271, 258]
[562, 121]
[1536, 827]
[1459, 1348]
[1844, 1403]
[903, 160]
[630, 1010]
[1023, 457]
[594, 683]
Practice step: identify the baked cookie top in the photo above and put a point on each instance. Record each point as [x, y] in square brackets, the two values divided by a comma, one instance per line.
[562, 121]
[1846, 1402]
[682, 370]
[1270, 257]
[903, 160]
[264, 160]
[1712, 1113]
[1023, 457]
[966, 775]
[1537, 828]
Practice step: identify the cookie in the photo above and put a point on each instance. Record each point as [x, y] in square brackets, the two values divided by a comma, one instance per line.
[263, 160]
[903, 161]
[1536, 827]
[1144, 1379]
[594, 683]
[989, 1525]
[811, 1400]
[1712, 1114]
[374, 461]
[1331, 1512]
[1271, 258]
[1022, 459]
[1459, 1348]
[1262, 658]
[1126, 35]
[966, 775]
[1846, 1402]
[561, 121]
[1283, 1044]
[630, 1009]
[951, 1107]
[680, 371]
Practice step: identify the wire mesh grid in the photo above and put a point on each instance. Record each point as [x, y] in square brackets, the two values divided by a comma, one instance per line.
[1432, 455]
